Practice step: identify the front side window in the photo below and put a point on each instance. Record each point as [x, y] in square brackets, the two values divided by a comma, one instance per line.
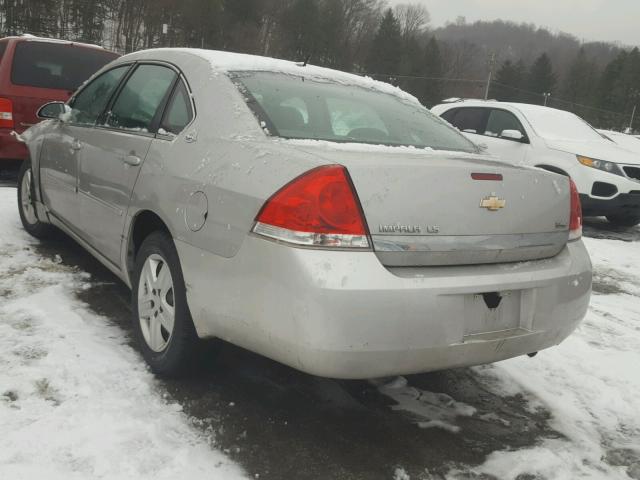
[87, 106]
[56, 65]
[179, 112]
[501, 120]
[140, 100]
[321, 109]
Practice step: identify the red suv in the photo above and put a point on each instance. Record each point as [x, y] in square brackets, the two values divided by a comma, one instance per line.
[34, 71]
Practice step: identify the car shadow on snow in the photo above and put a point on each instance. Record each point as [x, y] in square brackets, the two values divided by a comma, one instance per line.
[598, 227]
[280, 423]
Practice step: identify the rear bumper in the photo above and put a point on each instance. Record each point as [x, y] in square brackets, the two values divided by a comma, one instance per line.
[344, 315]
[623, 204]
[10, 147]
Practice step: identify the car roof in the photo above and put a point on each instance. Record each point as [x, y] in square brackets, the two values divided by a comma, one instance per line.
[226, 62]
[523, 108]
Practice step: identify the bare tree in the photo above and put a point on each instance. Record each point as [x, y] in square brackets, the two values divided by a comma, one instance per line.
[413, 18]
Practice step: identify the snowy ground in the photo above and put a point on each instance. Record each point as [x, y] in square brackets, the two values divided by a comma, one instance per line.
[76, 401]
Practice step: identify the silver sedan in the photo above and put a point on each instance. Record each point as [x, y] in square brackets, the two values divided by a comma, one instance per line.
[322, 219]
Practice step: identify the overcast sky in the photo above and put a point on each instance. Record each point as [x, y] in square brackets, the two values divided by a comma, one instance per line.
[608, 20]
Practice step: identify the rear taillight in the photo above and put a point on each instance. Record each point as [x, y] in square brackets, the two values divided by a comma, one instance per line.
[575, 223]
[6, 113]
[320, 208]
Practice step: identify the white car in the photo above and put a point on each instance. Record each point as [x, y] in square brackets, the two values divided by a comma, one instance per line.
[606, 173]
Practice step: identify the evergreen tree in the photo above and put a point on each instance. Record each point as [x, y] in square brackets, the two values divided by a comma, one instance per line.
[509, 81]
[387, 47]
[581, 81]
[432, 93]
[542, 79]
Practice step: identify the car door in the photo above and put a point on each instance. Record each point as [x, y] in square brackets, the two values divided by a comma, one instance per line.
[114, 151]
[62, 150]
[509, 150]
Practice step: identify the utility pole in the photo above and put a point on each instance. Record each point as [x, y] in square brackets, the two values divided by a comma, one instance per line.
[633, 116]
[491, 65]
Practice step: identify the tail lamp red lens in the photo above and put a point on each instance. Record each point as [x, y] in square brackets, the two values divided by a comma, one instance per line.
[575, 223]
[318, 208]
[6, 113]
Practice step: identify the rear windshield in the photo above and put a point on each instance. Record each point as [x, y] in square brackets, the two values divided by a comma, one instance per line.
[54, 65]
[302, 108]
[3, 47]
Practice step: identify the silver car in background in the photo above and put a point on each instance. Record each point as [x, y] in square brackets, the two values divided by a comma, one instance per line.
[322, 219]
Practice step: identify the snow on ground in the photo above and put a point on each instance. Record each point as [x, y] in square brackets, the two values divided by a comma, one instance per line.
[76, 402]
[590, 383]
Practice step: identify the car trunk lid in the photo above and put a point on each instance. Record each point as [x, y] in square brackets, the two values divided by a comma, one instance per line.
[430, 208]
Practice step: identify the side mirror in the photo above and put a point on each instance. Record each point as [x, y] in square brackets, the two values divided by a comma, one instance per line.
[515, 135]
[53, 110]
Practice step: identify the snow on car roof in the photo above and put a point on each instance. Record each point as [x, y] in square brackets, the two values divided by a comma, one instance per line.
[523, 107]
[225, 62]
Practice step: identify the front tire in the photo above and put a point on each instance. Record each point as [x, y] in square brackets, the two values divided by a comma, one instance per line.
[26, 204]
[626, 221]
[161, 319]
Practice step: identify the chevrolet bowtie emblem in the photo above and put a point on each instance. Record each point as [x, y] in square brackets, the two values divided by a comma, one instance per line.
[493, 203]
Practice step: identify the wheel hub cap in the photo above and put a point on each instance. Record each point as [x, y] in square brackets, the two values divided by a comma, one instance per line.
[28, 210]
[156, 307]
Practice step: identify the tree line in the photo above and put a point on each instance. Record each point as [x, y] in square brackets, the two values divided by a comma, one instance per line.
[599, 81]
[590, 91]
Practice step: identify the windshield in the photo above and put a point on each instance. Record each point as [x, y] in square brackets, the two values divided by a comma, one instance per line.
[302, 108]
[560, 125]
[56, 65]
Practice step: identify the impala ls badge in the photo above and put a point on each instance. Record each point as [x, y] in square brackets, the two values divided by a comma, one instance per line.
[399, 228]
[493, 203]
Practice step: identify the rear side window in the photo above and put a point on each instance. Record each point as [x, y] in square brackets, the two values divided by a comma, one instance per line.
[449, 114]
[141, 97]
[501, 120]
[179, 112]
[56, 65]
[87, 106]
[470, 120]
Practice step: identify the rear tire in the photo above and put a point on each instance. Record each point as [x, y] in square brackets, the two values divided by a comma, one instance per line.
[26, 205]
[161, 319]
[624, 220]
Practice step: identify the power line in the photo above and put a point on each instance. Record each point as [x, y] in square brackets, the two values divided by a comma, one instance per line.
[420, 77]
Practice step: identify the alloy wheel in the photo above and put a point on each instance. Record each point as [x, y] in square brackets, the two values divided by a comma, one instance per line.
[28, 210]
[156, 303]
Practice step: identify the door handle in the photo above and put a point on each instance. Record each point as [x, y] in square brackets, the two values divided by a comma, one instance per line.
[132, 160]
[76, 145]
